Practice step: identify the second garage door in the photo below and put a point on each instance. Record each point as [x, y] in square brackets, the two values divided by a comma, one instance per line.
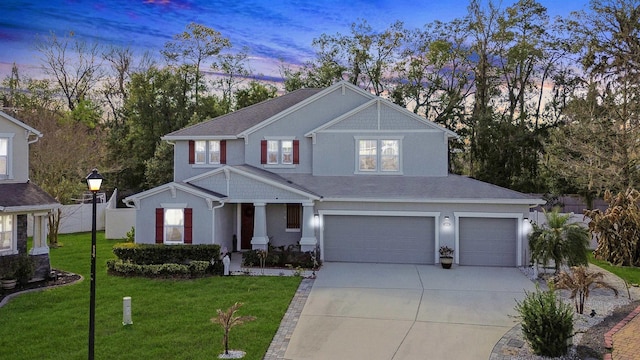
[488, 241]
[380, 239]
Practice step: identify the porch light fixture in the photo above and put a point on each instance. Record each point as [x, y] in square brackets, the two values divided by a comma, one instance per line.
[94, 180]
[316, 221]
[446, 222]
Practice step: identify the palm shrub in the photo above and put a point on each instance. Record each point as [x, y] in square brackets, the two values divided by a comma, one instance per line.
[227, 320]
[579, 281]
[617, 229]
[560, 241]
[547, 323]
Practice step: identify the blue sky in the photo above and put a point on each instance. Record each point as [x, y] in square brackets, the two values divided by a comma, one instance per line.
[273, 30]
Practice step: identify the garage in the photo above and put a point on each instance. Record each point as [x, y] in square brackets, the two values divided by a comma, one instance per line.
[488, 241]
[379, 239]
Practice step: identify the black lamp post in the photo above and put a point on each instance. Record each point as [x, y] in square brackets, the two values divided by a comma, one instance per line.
[94, 180]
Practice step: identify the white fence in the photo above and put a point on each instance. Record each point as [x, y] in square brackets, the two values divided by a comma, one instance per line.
[78, 218]
[539, 218]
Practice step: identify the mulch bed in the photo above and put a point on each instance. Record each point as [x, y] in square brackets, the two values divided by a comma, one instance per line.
[61, 278]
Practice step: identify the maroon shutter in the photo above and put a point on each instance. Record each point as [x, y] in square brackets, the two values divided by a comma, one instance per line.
[188, 226]
[263, 152]
[296, 151]
[192, 152]
[159, 226]
[223, 151]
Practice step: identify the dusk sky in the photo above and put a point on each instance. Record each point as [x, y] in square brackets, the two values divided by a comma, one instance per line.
[273, 30]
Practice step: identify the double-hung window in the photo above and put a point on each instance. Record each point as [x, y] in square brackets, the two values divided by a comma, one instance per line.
[6, 233]
[280, 152]
[207, 152]
[378, 155]
[4, 157]
[174, 224]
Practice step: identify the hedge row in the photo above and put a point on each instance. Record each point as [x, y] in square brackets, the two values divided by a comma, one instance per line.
[146, 254]
[193, 269]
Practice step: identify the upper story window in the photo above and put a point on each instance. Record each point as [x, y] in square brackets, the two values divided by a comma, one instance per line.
[378, 155]
[208, 152]
[6, 233]
[5, 156]
[280, 152]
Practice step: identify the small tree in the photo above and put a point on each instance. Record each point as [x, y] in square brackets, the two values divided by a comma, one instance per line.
[547, 323]
[579, 282]
[618, 228]
[560, 241]
[227, 320]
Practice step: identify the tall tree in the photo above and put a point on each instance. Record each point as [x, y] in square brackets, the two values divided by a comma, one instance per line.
[194, 46]
[74, 65]
[597, 148]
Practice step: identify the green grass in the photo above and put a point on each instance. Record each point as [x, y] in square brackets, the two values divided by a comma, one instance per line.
[630, 274]
[170, 318]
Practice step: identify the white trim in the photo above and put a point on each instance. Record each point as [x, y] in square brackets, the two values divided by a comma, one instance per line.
[232, 169]
[198, 137]
[21, 124]
[438, 201]
[9, 164]
[172, 186]
[173, 205]
[13, 248]
[429, 214]
[378, 170]
[493, 215]
[342, 85]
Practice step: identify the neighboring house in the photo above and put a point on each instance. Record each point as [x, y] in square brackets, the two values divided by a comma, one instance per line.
[336, 169]
[19, 198]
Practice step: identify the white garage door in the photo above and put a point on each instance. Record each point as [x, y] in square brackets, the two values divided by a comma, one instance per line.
[380, 239]
[488, 241]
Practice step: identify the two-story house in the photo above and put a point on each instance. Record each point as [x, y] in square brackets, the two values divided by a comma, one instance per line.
[336, 169]
[20, 198]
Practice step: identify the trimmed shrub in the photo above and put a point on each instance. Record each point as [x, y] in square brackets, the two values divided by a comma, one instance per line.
[280, 258]
[547, 323]
[147, 254]
[194, 269]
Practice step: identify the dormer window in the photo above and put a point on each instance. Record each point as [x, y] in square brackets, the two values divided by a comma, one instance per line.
[207, 152]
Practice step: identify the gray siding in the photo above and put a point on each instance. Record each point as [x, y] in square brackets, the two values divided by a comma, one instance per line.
[19, 151]
[146, 221]
[183, 170]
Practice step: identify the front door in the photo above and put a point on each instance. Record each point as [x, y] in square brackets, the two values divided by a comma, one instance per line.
[246, 224]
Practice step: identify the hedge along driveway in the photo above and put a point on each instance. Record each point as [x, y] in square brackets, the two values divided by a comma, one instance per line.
[170, 318]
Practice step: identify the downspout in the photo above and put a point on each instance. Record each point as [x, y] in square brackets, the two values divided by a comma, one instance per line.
[28, 135]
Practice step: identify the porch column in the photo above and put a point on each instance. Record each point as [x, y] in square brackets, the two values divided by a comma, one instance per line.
[40, 246]
[260, 239]
[308, 241]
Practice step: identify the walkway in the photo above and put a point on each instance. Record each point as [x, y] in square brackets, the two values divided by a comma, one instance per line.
[624, 337]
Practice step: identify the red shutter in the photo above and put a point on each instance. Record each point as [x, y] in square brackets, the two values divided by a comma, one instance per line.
[159, 226]
[296, 151]
[192, 152]
[263, 152]
[188, 226]
[223, 151]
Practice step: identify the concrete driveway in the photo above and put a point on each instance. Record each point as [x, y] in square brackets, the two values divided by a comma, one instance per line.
[396, 311]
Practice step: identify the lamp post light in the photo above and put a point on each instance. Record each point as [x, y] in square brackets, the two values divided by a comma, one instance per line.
[94, 180]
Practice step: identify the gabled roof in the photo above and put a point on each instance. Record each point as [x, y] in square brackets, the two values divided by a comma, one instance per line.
[391, 188]
[233, 124]
[379, 102]
[261, 175]
[21, 124]
[207, 195]
[25, 197]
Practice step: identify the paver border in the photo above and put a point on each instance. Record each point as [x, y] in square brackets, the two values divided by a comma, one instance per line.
[608, 336]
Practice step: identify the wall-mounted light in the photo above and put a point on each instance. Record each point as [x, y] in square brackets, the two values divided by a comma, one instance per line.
[316, 221]
[446, 222]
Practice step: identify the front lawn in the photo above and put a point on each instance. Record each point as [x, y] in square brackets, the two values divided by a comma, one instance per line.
[630, 274]
[170, 318]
